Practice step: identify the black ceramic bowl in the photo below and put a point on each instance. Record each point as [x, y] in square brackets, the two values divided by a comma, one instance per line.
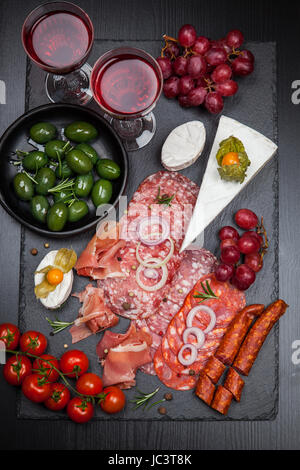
[107, 144]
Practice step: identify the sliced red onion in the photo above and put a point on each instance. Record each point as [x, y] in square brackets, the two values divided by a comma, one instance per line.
[193, 330]
[191, 358]
[151, 273]
[157, 286]
[161, 261]
[146, 221]
[203, 308]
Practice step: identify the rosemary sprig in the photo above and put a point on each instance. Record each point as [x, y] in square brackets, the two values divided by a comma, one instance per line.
[30, 177]
[207, 294]
[65, 184]
[58, 326]
[164, 198]
[144, 398]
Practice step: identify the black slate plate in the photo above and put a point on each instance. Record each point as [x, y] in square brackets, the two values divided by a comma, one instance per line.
[107, 144]
[254, 105]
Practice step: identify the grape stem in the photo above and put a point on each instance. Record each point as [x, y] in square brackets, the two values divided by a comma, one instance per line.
[262, 231]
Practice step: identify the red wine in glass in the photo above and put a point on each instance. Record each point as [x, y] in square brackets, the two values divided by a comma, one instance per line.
[126, 83]
[58, 37]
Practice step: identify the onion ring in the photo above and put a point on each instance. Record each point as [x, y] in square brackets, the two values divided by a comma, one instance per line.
[191, 359]
[193, 330]
[157, 286]
[152, 220]
[204, 308]
[148, 264]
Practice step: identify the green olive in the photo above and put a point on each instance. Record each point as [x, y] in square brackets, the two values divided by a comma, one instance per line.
[55, 148]
[108, 169]
[79, 162]
[80, 131]
[34, 160]
[63, 170]
[77, 211]
[63, 196]
[89, 151]
[39, 207]
[45, 179]
[42, 132]
[101, 192]
[57, 217]
[83, 185]
[23, 186]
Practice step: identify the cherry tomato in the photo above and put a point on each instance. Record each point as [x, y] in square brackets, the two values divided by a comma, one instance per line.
[89, 384]
[59, 397]
[55, 276]
[114, 400]
[45, 369]
[80, 410]
[74, 363]
[33, 342]
[16, 369]
[36, 388]
[10, 334]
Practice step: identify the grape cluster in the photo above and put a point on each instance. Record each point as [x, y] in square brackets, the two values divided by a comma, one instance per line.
[252, 245]
[199, 71]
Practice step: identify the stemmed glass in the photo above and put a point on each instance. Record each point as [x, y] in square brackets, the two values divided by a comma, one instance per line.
[58, 37]
[126, 83]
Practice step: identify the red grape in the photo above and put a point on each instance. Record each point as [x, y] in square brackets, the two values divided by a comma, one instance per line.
[184, 101]
[165, 66]
[241, 66]
[228, 242]
[201, 45]
[196, 66]
[187, 35]
[247, 244]
[180, 66]
[172, 50]
[255, 235]
[224, 272]
[222, 43]
[243, 277]
[202, 81]
[245, 54]
[228, 232]
[216, 56]
[214, 102]
[186, 84]
[197, 96]
[222, 73]
[228, 88]
[254, 261]
[230, 255]
[171, 87]
[246, 219]
[234, 38]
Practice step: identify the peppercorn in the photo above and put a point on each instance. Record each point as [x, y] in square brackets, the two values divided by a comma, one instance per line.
[46, 245]
[119, 258]
[165, 299]
[126, 305]
[162, 410]
[34, 251]
[191, 372]
[168, 396]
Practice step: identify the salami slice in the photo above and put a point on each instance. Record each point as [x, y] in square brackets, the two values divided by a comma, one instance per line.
[171, 379]
[214, 370]
[222, 400]
[234, 383]
[205, 389]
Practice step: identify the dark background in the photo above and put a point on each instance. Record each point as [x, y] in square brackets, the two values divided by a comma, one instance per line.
[138, 19]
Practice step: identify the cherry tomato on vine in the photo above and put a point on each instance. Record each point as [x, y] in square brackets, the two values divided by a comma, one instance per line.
[16, 369]
[114, 401]
[45, 369]
[36, 388]
[89, 384]
[80, 410]
[59, 397]
[74, 363]
[33, 342]
[10, 334]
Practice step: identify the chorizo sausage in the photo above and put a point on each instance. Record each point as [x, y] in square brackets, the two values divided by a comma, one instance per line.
[236, 332]
[222, 400]
[214, 369]
[234, 383]
[257, 335]
[205, 389]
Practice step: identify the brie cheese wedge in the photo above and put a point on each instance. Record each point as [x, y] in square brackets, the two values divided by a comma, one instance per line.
[62, 291]
[183, 146]
[215, 194]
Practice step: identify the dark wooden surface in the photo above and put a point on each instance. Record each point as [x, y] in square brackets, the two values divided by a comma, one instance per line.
[142, 19]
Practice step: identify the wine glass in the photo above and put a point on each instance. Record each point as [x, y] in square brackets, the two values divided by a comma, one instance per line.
[58, 37]
[126, 83]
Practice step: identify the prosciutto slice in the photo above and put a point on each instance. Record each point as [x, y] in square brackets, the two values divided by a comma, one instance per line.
[122, 354]
[94, 314]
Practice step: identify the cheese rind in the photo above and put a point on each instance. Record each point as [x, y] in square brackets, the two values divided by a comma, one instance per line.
[183, 146]
[215, 194]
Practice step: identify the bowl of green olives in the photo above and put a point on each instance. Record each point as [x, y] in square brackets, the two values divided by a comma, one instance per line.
[58, 164]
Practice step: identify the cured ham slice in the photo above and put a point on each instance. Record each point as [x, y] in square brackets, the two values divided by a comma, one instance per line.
[122, 354]
[94, 314]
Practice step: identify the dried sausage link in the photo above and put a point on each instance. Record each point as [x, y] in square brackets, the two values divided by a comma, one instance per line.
[222, 400]
[205, 389]
[234, 383]
[214, 369]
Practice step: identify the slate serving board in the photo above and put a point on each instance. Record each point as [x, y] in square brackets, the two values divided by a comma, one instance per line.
[254, 105]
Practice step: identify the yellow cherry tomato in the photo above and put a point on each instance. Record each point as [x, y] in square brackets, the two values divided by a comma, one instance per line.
[55, 276]
[230, 158]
